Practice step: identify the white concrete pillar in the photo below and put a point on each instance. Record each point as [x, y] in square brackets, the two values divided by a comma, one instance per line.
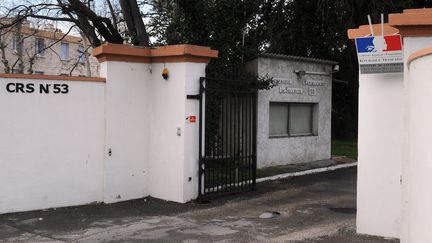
[393, 119]
[126, 130]
[380, 148]
[411, 45]
[151, 148]
[419, 195]
[173, 163]
[414, 25]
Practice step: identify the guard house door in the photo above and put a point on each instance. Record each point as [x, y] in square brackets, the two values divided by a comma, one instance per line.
[227, 162]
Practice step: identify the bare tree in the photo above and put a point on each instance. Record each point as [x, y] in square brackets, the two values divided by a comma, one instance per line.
[77, 62]
[96, 28]
[113, 14]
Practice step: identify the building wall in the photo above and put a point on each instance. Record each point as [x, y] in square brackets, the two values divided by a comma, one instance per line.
[288, 150]
[50, 62]
[51, 145]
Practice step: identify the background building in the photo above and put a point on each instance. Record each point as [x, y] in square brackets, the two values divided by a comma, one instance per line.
[45, 50]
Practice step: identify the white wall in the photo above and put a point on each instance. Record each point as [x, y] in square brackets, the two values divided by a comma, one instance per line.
[55, 149]
[380, 153]
[51, 146]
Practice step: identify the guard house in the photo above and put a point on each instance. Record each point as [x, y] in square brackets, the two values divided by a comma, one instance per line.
[294, 117]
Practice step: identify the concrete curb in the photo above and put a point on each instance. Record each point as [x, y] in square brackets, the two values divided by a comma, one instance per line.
[307, 172]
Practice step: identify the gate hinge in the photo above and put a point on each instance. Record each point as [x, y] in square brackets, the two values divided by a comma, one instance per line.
[194, 97]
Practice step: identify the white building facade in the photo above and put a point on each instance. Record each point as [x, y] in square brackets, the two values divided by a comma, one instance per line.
[45, 51]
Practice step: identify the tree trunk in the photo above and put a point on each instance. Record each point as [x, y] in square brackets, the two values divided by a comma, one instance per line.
[31, 63]
[134, 22]
[20, 47]
[86, 55]
[3, 54]
[103, 25]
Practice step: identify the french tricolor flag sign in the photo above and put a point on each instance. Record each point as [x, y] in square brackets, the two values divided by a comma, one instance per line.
[380, 54]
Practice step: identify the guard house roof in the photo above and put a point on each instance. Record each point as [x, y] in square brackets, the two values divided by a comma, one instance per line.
[297, 58]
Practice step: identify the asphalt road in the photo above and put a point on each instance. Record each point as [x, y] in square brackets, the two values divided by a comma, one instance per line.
[315, 208]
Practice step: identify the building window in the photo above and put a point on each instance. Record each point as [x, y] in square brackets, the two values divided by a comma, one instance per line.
[40, 46]
[38, 73]
[81, 54]
[291, 119]
[16, 44]
[64, 51]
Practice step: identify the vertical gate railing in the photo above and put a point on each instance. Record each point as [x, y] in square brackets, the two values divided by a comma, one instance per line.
[227, 150]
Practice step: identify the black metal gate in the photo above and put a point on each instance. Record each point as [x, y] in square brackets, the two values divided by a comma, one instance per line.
[227, 161]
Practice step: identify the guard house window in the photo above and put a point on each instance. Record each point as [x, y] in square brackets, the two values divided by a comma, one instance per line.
[278, 119]
[64, 51]
[81, 54]
[291, 119]
[40, 46]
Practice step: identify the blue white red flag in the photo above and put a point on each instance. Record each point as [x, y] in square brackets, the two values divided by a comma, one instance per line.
[378, 43]
[380, 54]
